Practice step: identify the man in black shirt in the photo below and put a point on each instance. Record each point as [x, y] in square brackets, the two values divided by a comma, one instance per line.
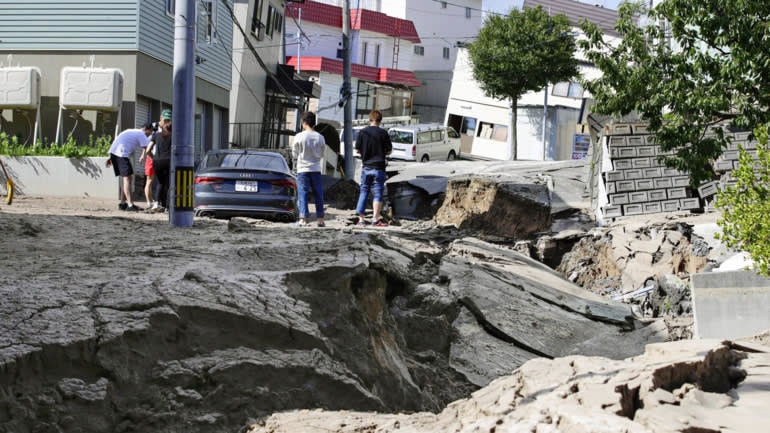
[373, 144]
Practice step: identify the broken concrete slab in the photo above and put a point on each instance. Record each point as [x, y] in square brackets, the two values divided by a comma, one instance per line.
[93, 336]
[496, 205]
[730, 304]
[567, 179]
[702, 385]
[417, 198]
[516, 299]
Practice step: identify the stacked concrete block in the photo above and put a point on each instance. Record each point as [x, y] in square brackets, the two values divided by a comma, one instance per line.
[729, 161]
[640, 183]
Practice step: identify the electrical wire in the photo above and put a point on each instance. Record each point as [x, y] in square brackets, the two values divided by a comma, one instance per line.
[253, 50]
[228, 53]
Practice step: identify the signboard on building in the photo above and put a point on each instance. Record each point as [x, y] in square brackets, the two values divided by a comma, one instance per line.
[580, 145]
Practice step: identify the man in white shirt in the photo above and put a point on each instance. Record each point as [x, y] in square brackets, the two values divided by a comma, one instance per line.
[307, 150]
[122, 147]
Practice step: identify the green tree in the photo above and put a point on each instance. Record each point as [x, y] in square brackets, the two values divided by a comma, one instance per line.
[745, 205]
[693, 69]
[522, 52]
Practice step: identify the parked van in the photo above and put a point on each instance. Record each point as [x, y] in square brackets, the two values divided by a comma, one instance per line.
[355, 130]
[424, 142]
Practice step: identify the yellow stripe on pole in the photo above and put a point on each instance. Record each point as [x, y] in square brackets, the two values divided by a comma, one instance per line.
[184, 188]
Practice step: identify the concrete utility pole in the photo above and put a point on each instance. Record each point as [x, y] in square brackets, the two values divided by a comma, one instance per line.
[180, 194]
[350, 162]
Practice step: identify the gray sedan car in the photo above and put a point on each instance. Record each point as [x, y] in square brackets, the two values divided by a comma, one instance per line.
[243, 182]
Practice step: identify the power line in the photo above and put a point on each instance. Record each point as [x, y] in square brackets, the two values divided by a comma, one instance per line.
[253, 50]
[228, 53]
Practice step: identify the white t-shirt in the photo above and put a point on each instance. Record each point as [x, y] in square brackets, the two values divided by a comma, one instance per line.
[308, 149]
[128, 141]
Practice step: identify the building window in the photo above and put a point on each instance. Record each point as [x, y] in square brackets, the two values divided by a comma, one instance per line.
[257, 27]
[419, 50]
[278, 26]
[467, 12]
[443, 5]
[365, 98]
[208, 17]
[270, 21]
[390, 101]
[468, 126]
[364, 48]
[492, 131]
[568, 89]
[171, 8]
[377, 55]
[446, 52]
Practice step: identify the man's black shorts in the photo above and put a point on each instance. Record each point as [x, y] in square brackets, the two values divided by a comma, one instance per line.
[121, 165]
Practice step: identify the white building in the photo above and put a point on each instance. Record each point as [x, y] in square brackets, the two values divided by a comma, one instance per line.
[381, 47]
[547, 121]
[442, 26]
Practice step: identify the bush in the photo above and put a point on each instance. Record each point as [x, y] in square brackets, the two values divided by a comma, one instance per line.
[745, 205]
[100, 146]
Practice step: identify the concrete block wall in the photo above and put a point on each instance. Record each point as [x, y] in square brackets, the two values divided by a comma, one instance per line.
[725, 164]
[640, 183]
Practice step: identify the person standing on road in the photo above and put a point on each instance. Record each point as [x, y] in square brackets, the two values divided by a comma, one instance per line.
[308, 150]
[149, 169]
[160, 147]
[121, 150]
[373, 144]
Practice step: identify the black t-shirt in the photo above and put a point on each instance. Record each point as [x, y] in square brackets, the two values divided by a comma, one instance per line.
[373, 143]
[162, 149]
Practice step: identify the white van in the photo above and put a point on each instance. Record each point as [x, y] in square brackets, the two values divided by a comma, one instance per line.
[355, 130]
[424, 142]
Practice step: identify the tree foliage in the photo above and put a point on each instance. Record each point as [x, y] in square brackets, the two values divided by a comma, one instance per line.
[745, 205]
[522, 52]
[692, 69]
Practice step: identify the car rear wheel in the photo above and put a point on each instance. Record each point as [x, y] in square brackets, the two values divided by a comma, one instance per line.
[452, 156]
[425, 158]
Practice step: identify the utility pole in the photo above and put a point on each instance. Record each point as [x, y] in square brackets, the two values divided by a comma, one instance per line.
[180, 195]
[350, 161]
[298, 111]
[545, 123]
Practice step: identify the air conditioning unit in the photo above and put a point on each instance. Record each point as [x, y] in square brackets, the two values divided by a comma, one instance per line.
[19, 87]
[91, 88]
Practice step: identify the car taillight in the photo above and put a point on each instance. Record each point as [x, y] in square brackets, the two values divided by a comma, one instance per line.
[414, 151]
[286, 183]
[281, 184]
[206, 180]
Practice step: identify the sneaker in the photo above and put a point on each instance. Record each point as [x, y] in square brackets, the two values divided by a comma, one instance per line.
[300, 224]
[361, 223]
[133, 208]
[123, 206]
[321, 224]
[380, 223]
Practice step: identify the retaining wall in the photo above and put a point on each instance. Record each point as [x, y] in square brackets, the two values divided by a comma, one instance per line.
[60, 176]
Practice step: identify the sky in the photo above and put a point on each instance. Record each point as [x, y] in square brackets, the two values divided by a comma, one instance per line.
[504, 6]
